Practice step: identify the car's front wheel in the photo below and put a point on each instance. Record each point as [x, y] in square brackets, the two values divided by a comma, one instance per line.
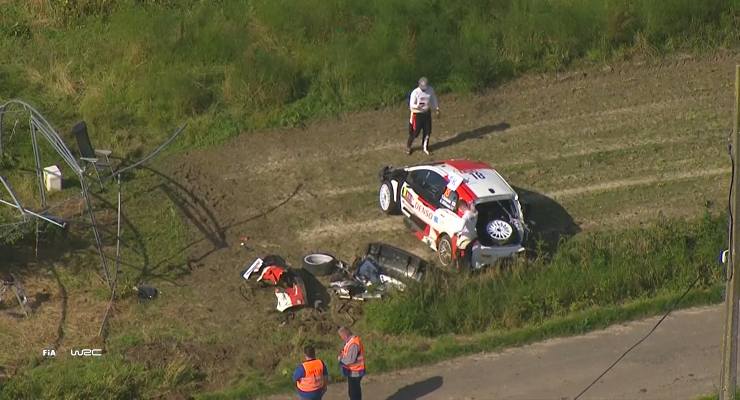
[387, 200]
[445, 255]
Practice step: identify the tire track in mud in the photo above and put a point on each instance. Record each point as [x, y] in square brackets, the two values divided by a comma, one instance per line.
[279, 163]
[342, 191]
[627, 183]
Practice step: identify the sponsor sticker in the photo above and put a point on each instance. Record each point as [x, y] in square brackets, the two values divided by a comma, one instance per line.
[407, 195]
[424, 211]
[455, 181]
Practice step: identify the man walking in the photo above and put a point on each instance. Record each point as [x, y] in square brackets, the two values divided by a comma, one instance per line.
[421, 103]
[311, 376]
[352, 361]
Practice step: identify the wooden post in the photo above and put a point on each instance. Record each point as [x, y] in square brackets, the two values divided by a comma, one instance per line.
[728, 379]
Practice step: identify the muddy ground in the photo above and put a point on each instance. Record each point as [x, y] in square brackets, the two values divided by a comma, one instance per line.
[605, 147]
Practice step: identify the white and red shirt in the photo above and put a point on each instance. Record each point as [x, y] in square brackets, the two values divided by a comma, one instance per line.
[422, 101]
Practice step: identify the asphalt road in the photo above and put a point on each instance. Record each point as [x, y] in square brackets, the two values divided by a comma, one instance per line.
[681, 360]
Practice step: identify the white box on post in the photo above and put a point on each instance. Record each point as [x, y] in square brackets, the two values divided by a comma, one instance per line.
[53, 178]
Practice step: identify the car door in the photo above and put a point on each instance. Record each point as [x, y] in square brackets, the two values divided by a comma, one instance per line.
[411, 189]
[421, 193]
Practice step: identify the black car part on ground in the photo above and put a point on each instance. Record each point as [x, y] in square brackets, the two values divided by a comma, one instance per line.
[397, 263]
[319, 264]
[146, 292]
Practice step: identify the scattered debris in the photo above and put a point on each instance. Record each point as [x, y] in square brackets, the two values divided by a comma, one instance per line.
[383, 268]
[146, 292]
[397, 262]
[293, 296]
[273, 271]
[320, 264]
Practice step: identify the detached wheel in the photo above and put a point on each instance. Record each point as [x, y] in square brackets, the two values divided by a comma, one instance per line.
[387, 200]
[445, 254]
[319, 264]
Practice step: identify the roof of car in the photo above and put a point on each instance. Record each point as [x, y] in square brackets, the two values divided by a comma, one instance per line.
[479, 178]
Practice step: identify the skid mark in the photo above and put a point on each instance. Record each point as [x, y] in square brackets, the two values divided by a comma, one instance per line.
[345, 228]
[625, 183]
[341, 191]
[280, 162]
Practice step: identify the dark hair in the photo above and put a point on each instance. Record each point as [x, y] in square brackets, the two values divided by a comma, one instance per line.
[309, 351]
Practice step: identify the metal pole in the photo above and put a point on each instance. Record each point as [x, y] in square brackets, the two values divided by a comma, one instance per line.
[37, 157]
[104, 324]
[96, 234]
[2, 119]
[728, 380]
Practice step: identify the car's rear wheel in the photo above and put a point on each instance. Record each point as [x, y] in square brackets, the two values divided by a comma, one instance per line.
[387, 200]
[445, 255]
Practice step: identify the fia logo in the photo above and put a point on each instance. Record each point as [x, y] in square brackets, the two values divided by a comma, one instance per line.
[49, 353]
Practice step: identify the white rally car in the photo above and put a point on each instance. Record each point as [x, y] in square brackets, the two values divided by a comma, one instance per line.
[464, 210]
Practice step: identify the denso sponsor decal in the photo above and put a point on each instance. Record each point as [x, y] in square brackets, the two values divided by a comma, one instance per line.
[423, 210]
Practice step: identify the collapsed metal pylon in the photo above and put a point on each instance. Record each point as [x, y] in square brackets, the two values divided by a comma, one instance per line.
[40, 126]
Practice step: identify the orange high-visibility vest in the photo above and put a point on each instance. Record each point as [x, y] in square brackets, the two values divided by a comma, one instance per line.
[359, 364]
[314, 376]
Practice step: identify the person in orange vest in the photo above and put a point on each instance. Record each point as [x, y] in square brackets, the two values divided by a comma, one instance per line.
[352, 361]
[311, 376]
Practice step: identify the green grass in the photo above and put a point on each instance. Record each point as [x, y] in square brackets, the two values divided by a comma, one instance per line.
[135, 69]
[107, 377]
[593, 270]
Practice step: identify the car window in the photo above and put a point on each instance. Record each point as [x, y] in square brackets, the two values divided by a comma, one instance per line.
[435, 186]
[416, 179]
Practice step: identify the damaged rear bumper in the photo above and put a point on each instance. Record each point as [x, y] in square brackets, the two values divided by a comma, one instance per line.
[483, 256]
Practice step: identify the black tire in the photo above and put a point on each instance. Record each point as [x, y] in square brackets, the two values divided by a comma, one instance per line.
[445, 255]
[387, 200]
[319, 264]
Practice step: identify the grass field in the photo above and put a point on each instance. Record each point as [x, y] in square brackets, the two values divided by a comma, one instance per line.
[242, 65]
[621, 146]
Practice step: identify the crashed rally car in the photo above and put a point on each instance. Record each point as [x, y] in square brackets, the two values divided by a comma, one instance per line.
[464, 210]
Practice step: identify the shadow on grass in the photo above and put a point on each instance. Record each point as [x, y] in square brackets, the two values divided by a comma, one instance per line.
[477, 133]
[316, 294]
[548, 221]
[199, 214]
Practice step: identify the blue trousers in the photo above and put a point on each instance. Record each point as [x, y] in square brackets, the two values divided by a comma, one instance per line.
[353, 388]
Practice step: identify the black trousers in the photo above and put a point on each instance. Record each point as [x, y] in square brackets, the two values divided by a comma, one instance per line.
[420, 123]
[354, 389]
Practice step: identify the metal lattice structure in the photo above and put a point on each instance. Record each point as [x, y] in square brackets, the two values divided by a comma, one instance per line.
[41, 128]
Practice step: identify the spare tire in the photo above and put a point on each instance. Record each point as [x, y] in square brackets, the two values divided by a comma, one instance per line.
[319, 264]
[500, 232]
